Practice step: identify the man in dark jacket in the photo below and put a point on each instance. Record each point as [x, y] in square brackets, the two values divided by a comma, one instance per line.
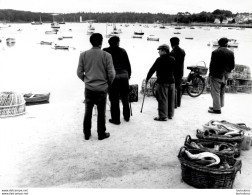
[179, 55]
[120, 86]
[222, 63]
[165, 91]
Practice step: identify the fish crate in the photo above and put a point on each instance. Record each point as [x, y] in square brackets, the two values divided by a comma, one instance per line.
[11, 104]
[200, 176]
[215, 147]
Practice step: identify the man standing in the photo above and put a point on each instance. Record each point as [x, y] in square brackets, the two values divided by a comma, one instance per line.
[179, 55]
[165, 90]
[96, 69]
[222, 63]
[120, 86]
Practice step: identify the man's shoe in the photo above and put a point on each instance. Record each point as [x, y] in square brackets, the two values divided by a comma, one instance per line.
[127, 119]
[160, 119]
[87, 136]
[106, 135]
[169, 117]
[114, 122]
[210, 108]
[214, 111]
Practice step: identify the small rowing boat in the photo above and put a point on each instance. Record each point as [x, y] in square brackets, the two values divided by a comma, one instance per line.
[32, 99]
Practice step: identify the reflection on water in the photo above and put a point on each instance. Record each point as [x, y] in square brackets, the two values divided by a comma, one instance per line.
[27, 65]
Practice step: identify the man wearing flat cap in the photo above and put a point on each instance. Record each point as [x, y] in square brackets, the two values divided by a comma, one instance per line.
[221, 64]
[165, 91]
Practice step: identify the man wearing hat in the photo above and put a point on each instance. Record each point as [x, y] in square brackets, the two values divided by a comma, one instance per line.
[221, 64]
[165, 91]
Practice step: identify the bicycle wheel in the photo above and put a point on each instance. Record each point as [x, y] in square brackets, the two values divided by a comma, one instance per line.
[196, 86]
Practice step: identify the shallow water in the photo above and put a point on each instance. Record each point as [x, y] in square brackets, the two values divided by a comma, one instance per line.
[28, 66]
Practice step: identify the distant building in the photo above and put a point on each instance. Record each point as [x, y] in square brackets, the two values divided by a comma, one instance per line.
[224, 21]
[217, 21]
[243, 18]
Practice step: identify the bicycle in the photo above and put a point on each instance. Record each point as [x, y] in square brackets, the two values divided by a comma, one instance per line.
[194, 83]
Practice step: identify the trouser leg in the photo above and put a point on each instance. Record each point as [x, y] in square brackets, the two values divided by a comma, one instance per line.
[89, 104]
[114, 98]
[179, 95]
[101, 116]
[124, 92]
[222, 94]
[215, 93]
[162, 98]
[171, 100]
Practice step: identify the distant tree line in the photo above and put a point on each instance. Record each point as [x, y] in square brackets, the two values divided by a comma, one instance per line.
[16, 16]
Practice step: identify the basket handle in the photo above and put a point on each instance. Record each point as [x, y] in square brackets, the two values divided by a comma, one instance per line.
[181, 151]
[188, 139]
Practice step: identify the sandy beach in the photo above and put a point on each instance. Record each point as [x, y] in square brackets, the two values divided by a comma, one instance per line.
[45, 147]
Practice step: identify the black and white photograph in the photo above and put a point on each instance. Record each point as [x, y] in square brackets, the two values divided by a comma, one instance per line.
[117, 96]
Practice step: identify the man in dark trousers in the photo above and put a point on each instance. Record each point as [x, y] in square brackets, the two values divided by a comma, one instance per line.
[96, 70]
[221, 64]
[179, 55]
[165, 90]
[120, 86]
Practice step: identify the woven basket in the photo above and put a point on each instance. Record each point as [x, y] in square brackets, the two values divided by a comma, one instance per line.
[11, 104]
[237, 140]
[209, 146]
[204, 177]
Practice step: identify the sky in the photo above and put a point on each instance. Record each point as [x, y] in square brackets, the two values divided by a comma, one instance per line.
[141, 6]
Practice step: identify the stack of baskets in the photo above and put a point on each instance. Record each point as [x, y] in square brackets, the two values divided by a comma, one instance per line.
[226, 147]
[11, 104]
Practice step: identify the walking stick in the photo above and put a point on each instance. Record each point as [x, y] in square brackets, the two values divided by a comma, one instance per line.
[143, 96]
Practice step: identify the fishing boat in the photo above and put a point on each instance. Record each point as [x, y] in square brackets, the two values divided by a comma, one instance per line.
[90, 29]
[10, 40]
[45, 43]
[140, 32]
[55, 25]
[37, 23]
[190, 38]
[137, 36]
[152, 38]
[63, 22]
[32, 99]
[177, 33]
[61, 47]
[231, 43]
[51, 31]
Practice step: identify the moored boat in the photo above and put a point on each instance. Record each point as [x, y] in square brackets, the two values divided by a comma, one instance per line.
[61, 47]
[137, 36]
[55, 25]
[152, 38]
[139, 32]
[90, 29]
[55, 31]
[32, 99]
[45, 43]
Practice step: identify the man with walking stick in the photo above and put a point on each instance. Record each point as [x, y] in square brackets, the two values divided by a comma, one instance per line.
[165, 91]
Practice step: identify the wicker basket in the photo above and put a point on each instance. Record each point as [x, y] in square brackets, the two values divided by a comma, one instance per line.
[11, 104]
[237, 140]
[200, 69]
[212, 146]
[205, 177]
